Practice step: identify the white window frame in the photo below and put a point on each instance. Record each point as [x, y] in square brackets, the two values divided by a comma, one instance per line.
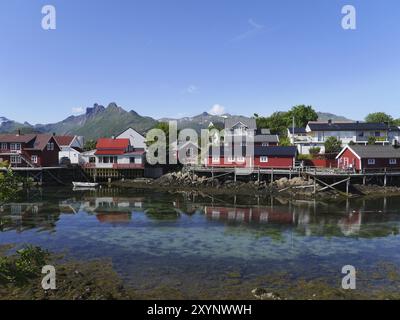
[230, 159]
[15, 146]
[371, 161]
[265, 144]
[15, 159]
[50, 146]
[264, 159]
[215, 159]
[34, 158]
[392, 161]
[4, 146]
[240, 159]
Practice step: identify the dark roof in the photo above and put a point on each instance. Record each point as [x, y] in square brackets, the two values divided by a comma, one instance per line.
[41, 141]
[347, 126]
[23, 138]
[258, 138]
[64, 140]
[394, 128]
[376, 151]
[273, 151]
[248, 122]
[266, 138]
[297, 130]
[263, 131]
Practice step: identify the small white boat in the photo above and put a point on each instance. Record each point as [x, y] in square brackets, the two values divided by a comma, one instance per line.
[85, 184]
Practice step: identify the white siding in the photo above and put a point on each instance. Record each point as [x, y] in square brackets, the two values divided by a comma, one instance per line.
[135, 138]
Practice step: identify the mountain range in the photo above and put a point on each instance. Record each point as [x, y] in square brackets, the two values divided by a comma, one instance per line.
[99, 121]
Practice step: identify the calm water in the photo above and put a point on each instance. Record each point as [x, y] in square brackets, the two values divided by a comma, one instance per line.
[192, 246]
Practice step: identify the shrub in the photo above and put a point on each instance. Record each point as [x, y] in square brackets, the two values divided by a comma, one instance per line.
[332, 145]
[314, 151]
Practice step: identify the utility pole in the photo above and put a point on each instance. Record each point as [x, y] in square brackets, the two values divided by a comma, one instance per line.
[293, 129]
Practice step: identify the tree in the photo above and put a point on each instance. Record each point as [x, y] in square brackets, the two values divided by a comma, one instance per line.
[379, 117]
[302, 115]
[279, 122]
[332, 145]
[371, 140]
[284, 141]
[314, 150]
[90, 145]
[9, 184]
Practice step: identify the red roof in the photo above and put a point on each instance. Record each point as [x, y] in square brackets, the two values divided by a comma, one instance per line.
[107, 146]
[107, 143]
[64, 140]
[114, 152]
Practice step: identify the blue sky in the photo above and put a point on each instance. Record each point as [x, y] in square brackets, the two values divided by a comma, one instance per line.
[182, 57]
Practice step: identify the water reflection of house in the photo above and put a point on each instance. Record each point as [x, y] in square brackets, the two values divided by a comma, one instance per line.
[25, 216]
[114, 217]
[113, 209]
[255, 214]
[351, 224]
[112, 204]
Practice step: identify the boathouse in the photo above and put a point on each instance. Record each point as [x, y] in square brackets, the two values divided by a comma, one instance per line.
[369, 157]
[263, 157]
[115, 158]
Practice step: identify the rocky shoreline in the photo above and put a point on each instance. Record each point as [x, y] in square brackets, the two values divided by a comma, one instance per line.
[297, 187]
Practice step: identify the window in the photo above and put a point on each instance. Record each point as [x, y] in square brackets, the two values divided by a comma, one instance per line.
[371, 161]
[15, 159]
[240, 159]
[34, 159]
[189, 152]
[265, 144]
[231, 159]
[4, 146]
[50, 146]
[263, 159]
[392, 161]
[92, 159]
[15, 146]
[377, 134]
[215, 159]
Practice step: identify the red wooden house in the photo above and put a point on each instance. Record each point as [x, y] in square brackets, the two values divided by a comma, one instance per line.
[361, 157]
[263, 157]
[29, 150]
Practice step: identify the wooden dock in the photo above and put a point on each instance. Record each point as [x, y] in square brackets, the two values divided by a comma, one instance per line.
[51, 175]
[328, 178]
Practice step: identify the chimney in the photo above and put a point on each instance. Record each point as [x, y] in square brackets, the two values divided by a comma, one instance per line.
[19, 132]
[330, 121]
[54, 134]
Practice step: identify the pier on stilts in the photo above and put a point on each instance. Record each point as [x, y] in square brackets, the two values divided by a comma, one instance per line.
[50, 175]
[328, 178]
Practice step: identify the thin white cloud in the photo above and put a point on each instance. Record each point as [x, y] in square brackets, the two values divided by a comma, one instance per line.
[217, 110]
[78, 110]
[192, 89]
[255, 28]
